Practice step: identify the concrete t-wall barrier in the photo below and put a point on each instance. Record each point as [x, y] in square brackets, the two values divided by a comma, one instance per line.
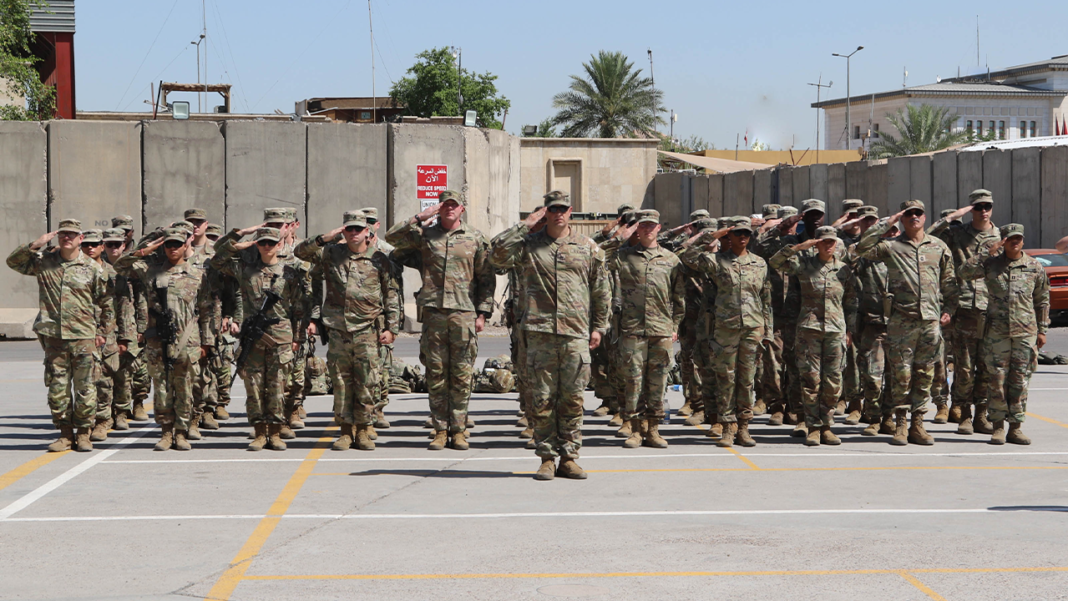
[1054, 168]
[23, 208]
[184, 166]
[347, 170]
[266, 166]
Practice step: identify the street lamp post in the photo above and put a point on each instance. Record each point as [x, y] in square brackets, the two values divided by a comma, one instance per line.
[819, 87]
[197, 44]
[849, 124]
[457, 53]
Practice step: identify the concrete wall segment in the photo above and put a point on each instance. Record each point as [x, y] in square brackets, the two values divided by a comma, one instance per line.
[1027, 193]
[997, 177]
[346, 171]
[1054, 192]
[265, 167]
[23, 203]
[183, 166]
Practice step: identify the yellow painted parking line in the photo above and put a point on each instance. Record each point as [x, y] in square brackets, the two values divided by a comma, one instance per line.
[716, 469]
[28, 468]
[1048, 420]
[744, 459]
[923, 587]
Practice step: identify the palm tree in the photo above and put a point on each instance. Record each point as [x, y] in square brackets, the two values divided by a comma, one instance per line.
[613, 100]
[923, 128]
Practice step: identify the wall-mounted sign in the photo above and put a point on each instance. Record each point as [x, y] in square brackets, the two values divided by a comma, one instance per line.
[430, 180]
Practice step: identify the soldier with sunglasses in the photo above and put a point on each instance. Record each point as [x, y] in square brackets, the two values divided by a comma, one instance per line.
[138, 383]
[126, 331]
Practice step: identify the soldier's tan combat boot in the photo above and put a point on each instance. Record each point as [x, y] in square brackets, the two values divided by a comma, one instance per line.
[742, 435]
[194, 430]
[100, 430]
[998, 435]
[917, 434]
[598, 412]
[964, 424]
[469, 423]
[569, 469]
[715, 432]
[522, 422]
[853, 411]
[207, 421]
[635, 439]
[303, 412]
[695, 419]
[363, 438]
[626, 429]
[941, 413]
[259, 437]
[652, 437]
[429, 423]
[121, 422]
[166, 440]
[982, 423]
[371, 432]
[380, 420]
[800, 430]
[888, 425]
[547, 471]
[139, 413]
[828, 437]
[1016, 435]
[775, 419]
[285, 432]
[221, 414]
[440, 438]
[531, 444]
[840, 408]
[82, 443]
[181, 441]
[871, 429]
[459, 441]
[527, 433]
[954, 413]
[65, 440]
[616, 421]
[726, 439]
[901, 428]
[295, 423]
[686, 410]
[274, 437]
[813, 438]
[344, 441]
[760, 407]
[791, 418]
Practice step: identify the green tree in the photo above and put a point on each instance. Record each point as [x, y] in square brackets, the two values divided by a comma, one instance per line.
[923, 128]
[613, 100]
[431, 90]
[18, 77]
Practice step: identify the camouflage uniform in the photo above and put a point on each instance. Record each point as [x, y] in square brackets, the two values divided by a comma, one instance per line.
[385, 351]
[133, 372]
[870, 341]
[226, 295]
[567, 296]
[1018, 311]
[75, 308]
[107, 355]
[125, 333]
[458, 285]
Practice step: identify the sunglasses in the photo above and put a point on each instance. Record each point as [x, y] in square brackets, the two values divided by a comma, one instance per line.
[355, 229]
[197, 222]
[742, 234]
[983, 206]
[913, 213]
[69, 234]
[90, 244]
[113, 244]
[173, 244]
[266, 243]
[558, 209]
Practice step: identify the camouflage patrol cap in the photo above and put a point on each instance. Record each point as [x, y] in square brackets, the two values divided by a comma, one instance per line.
[200, 214]
[124, 222]
[275, 216]
[214, 229]
[913, 204]
[184, 225]
[1010, 230]
[114, 234]
[175, 233]
[706, 224]
[850, 205]
[770, 211]
[624, 208]
[981, 195]
[630, 217]
[452, 195]
[868, 211]
[268, 233]
[70, 225]
[648, 216]
[826, 232]
[371, 214]
[356, 218]
[946, 213]
[813, 204]
[741, 224]
[291, 215]
[92, 236]
[557, 198]
[785, 212]
[699, 214]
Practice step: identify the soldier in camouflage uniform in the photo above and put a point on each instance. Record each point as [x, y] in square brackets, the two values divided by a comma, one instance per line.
[923, 295]
[1017, 292]
[359, 289]
[772, 376]
[225, 298]
[181, 283]
[108, 355]
[649, 298]
[604, 366]
[969, 379]
[385, 351]
[743, 322]
[125, 331]
[204, 397]
[691, 385]
[137, 383]
[567, 304]
[75, 318]
[269, 362]
[828, 320]
[848, 230]
[767, 386]
[704, 327]
[455, 300]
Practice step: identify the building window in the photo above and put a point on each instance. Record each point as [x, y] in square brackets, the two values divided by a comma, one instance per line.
[1021, 127]
[1034, 130]
[365, 115]
[991, 129]
[970, 127]
[875, 133]
[1001, 130]
[979, 131]
[856, 132]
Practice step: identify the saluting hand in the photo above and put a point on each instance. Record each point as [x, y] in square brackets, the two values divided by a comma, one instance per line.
[995, 248]
[334, 234]
[806, 244]
[534, 217]
[429, 212]
[43, 240]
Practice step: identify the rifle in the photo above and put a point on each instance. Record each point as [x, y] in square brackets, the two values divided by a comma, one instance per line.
[166, 328]
[256, 326]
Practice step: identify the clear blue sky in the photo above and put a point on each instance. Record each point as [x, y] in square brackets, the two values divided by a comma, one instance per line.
[723, 69]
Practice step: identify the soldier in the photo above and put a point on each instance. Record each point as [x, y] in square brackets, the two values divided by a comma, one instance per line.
[609, 230]
[268, 358]
[828, 320]
[922, 296]
[359, 289]
[74, 320]
[455, 300]
[606, 369]
[204, 396]
[125, 223]
[965, 241]
[1017, 292]
[135, 371]
[225, 296]
[704, 403]
[125, 332]
[673, 238]
[743, 322]
[772, 376]
[108, 355]
[848, 226]
[693, 407]
[179, 332]
[650, 300]
[567, 305]
[385, 351]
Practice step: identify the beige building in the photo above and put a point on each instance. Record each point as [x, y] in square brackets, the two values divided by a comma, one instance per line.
[599, 173]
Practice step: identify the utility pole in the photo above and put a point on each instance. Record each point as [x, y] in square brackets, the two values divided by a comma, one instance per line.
[197, 44]
[849, 124]
[652, 79]
[204, 35]
[374, 100]
[819, 87]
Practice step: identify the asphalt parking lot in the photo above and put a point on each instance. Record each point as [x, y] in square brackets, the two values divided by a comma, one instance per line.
[960, 520]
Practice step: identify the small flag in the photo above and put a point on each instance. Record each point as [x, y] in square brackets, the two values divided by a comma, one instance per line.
[747, 136]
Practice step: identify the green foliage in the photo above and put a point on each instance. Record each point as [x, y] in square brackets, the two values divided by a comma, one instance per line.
[546, 129]
[613, 100]
[694, 143]
[17, 74]
[431, 90]
[923, 128]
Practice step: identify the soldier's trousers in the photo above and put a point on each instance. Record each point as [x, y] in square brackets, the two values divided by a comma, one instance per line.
[449, 345]
[69, 370]
[771, 375]
[265, 373]
[1009, 363]
[385, 353]
[791, 385]
[871, 365]
[353, 357]
[224, 375]
[734, 357]
[172, 397]
[969, 375]
[132, 381]
[913, 346]
[647, 360]
[691, 386]
[940, 385]
[294, 386]
[706, 375]
[558, 368]
[599, 375]
[820, 361]
[522, 378]
[851, 388]
[107, 368]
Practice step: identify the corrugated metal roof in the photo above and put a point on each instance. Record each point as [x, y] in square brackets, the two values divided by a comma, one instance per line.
[55, 16]
[949, 88]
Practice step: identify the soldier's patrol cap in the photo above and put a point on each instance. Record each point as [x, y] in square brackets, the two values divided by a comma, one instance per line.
[1010, 230]
[699, 214]
[92, 236]
[125, 222]
[648, 216]
[183, 225]
[850, 205]
[868, 211]
[114, 234]
[629, 217]
[770, 211]
[275, 216]
[707, 223]
[200, 214]
[557, 198]
[70, 225]
[356, 218]
[623, 209]
[175, 233]
[913, 204]
[981, 195]
[291, 215]
[371, 214]
[740, 224]
[826, 232]
[785, 212]
[214, 229]
[452, 195]
[946, 213]
[813, 204]
[268, 233]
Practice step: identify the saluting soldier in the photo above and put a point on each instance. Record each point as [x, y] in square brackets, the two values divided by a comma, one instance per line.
[135, 369]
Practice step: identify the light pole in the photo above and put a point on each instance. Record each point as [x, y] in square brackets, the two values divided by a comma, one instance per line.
[849, 138]
[652, 80]
[674, 118]
[457, 53]
[819, 87]
[197, 44]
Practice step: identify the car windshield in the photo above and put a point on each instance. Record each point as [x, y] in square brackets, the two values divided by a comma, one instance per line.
[1053, 260]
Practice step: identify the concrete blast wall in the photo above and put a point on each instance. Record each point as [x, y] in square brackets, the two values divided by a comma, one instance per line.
[23, 204]
[183, 166]
[266, 166]
[94, 171]
[346, 170]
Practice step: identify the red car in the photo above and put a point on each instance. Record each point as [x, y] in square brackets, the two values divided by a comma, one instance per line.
[1056, 264]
